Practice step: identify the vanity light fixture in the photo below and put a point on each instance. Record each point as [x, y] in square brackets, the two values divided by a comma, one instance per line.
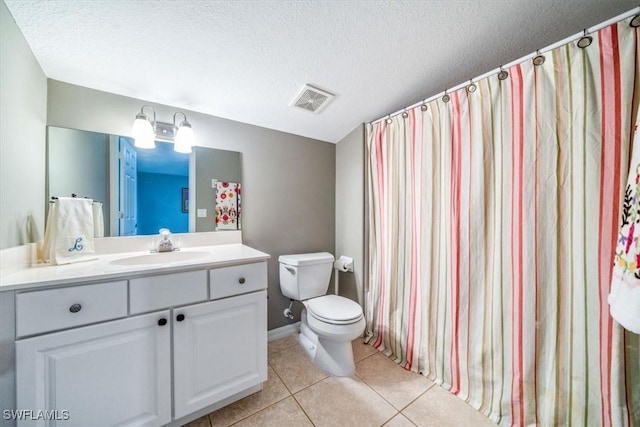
[142, 132]
[184, 135]
[146, 131]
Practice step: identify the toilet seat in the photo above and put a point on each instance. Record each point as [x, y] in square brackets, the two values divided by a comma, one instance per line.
[334, 309]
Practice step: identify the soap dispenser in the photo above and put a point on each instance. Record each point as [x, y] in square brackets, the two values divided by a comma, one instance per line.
[165, 244]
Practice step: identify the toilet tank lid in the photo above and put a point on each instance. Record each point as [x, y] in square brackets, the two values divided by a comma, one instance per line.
[306, 259]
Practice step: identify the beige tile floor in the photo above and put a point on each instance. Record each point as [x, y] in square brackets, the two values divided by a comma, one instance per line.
[380, 394]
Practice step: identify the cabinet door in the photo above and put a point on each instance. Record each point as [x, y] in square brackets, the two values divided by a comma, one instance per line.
[115, 373]
[220, 349]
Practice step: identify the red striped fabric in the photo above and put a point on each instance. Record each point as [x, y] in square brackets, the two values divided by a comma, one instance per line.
[609, 198]
[493, 220]
[517, 119]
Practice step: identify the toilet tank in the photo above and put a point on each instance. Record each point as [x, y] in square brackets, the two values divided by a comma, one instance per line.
[304, 276]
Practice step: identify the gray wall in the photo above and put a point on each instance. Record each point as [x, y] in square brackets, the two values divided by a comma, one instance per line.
[350, 210]
[23, 115]
[288, 182]
[78, 163]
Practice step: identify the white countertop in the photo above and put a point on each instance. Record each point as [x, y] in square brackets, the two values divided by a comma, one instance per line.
[106, 267]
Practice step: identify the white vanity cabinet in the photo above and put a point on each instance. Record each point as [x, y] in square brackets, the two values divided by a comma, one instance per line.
[219, 349]
[114, 373]
[166, 357]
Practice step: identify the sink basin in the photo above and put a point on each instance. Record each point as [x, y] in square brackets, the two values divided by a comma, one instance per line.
[160, 258]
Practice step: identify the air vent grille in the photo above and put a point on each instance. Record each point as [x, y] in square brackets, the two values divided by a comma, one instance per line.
[312, 99]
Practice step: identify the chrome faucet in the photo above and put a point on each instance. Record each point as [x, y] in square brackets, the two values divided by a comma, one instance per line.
[165, 244]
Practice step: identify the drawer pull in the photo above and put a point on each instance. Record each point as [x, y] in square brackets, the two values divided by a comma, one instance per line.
[75, 308]
[180, 317]
[241, 280]
[162, 321]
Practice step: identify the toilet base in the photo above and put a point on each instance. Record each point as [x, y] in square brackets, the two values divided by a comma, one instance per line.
[333, 357]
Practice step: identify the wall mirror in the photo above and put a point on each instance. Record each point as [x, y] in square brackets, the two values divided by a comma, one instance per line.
[143, 190]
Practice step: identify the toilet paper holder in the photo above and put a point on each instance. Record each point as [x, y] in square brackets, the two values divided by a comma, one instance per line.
[344, 264]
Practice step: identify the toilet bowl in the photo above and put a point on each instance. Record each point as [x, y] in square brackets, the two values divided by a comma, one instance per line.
[326, 340]
[328, 323]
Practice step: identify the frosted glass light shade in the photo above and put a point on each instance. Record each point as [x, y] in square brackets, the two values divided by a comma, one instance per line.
[143, 133]
[184, 139]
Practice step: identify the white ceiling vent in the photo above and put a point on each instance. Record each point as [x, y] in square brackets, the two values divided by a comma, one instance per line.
[312, 99]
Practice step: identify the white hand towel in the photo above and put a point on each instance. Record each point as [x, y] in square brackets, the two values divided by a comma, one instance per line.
[98, 220]
[49, 230]
[71, 234]
[624, 299]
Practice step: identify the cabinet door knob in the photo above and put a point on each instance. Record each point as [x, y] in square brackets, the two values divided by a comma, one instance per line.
[162, 321]
[241, 280]
[75, 308]
[180, 317]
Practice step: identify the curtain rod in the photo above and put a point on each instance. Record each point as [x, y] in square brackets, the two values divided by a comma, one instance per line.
[555, 45]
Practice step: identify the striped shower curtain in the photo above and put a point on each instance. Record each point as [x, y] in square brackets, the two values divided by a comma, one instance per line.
[492, 226]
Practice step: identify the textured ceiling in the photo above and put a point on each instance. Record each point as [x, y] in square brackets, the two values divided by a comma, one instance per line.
[247, 60]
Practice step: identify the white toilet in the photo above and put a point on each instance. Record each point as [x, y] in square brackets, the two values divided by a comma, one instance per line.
[329, 322]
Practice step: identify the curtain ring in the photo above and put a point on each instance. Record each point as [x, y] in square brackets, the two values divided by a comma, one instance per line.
[502, 75]
[472, 87]
[635, 22]
[538, 59]
[405, 114]
[389, 121]
[584, 41]
[424, 107]
[445, 97]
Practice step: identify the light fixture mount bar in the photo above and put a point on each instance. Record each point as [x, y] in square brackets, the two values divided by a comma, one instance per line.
[165, 131]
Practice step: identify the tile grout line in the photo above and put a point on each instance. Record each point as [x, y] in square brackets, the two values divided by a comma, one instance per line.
[257, 412]
[413, 401]
[293, 394]
[303, 410]
[303, 388]
[280, 378]
[381, 396]
[297, 344]
[260, 410]
[367, 356]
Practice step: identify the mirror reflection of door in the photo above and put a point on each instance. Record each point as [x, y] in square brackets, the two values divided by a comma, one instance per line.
[128, 202]
[151, 183]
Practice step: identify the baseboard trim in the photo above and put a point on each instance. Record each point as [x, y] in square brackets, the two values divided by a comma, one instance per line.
[283, 331]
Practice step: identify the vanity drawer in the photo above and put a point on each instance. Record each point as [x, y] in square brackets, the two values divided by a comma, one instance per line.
[237, 279]
[156, 292]
[44, 311]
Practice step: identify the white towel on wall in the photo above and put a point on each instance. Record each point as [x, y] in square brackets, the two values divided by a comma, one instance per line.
[98, 220]
[69, 234]
[624, 299]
